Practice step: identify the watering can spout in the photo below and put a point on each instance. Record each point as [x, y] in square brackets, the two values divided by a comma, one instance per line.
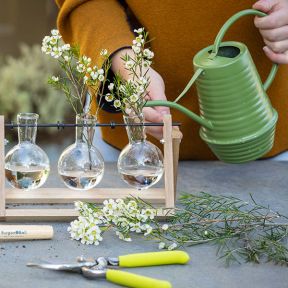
[205, 123]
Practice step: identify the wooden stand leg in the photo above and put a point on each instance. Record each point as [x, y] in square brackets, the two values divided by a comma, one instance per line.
[2, 168]
[176, 138]
[168, 162]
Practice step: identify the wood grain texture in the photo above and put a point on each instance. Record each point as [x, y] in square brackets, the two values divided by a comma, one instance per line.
[97, 195]
[57, 215]
[25, 232]
[168, 162]
[176, 141]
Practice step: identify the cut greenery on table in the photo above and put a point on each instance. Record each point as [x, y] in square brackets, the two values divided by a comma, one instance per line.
[241, 230]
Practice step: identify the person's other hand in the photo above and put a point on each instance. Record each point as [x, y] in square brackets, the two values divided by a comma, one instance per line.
[274, 28]
[156, 92]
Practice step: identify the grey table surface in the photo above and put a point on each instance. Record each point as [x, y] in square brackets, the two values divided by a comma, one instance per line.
[267, 181]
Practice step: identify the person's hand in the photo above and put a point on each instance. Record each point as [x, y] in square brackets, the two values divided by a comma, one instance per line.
[156, 92]
[274, 28]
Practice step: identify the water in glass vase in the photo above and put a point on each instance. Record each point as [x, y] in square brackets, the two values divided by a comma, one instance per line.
[142, 178]
[81, 180]
[26, 177]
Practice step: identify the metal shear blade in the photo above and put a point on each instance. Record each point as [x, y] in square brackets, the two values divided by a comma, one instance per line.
[75, 267]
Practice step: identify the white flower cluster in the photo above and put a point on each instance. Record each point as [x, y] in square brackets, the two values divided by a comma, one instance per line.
[90, 74]
[51, 45]
[131, 92]
[124, 217]
[130, 95]
[139, 50]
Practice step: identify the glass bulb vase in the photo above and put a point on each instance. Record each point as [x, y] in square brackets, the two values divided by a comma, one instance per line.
[26, 164]
[140, 163]
[81, 165]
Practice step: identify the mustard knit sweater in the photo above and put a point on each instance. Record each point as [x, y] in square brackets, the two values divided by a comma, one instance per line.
[181, 28]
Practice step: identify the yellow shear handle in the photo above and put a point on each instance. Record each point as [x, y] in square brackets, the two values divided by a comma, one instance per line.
[134, 281]
[153, 259]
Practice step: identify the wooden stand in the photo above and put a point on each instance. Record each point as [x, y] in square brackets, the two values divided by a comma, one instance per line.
[164, 197]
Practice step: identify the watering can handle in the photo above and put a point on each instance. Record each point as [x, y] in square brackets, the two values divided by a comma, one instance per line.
[224, 29]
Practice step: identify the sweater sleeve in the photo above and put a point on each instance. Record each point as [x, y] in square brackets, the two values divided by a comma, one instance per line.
[94, 25]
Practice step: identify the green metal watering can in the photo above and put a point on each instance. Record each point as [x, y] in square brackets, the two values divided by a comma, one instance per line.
[237, 119]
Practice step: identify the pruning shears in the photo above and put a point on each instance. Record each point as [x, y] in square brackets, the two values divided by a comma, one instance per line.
[106, 267]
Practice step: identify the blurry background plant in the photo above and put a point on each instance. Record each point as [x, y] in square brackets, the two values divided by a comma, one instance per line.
[24, 88]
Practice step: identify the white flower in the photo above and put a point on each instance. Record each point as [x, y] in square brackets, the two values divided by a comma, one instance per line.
[124, 223]
[104, 52]
[85, 230]
[147, 228]
[66, 47]
[172, 246]
[135, 227]
[140, 89]
[53, 40]
[120, 202]
[111, 86]
[86, 60]
[142, 81]
[121, 237]
[67, 58]
[55, 32]
[85, 79]
[148, 53]
[80, 68]
[136, 49]
[129, 64]
[162, 245]
[46, 49]
[89, 70]
[150, 213]
[101, 71]
[140, 30]
[101, 77]
[78, 205]
[165, 227]
[132, 205]
[46, 40]
[138, 41]
[133, 98]
[147, 63]
[94, 75]
[128, 110]
[56, 52]
[110, 204]
[117, 103]
[55, 79]
[109, 97]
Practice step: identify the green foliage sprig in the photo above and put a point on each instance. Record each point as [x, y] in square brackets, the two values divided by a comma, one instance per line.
[241, 230]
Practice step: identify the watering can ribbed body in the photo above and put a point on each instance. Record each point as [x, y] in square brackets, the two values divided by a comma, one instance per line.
[232, 97]
[236, 117]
